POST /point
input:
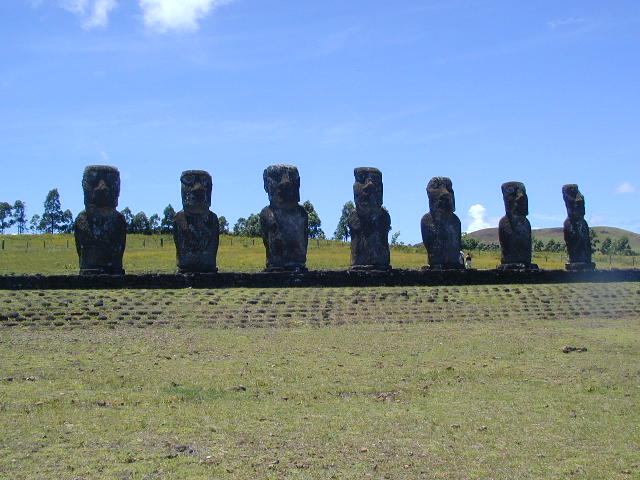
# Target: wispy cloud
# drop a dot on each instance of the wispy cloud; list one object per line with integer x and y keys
{"x": 177, "y": 15}
{"x": 478, "y": 221}
{"x": 561, "y": 22}
{"x": 625, "y": 187}
{"x": 93, "y": 13}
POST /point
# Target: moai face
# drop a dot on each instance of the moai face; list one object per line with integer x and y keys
{"x": 574, "y": 201}
{"x": 441, "y": 196}
{"x": 196, "y": 190}
{"x": 515, "y": 199}
{"x": 367, "y": 189}
{"x": 101, "y": 186}
{"x": 282, "y": 184}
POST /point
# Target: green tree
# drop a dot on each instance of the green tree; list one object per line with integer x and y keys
{"x": 248, "y": 227}
{"x": 5, "y": 216}
{"x": 166, "y": 225}
{"x": 253, "y": 228}
{"x": 621, "y": 246}
{"x": 53, "y": 218}
{"x": 538, "y": 245}
{"x": 224, "y": 225}
{"x": 35, "y": 223}
{"x": 342, "y": 230}
{"x": 128, "y": 218}
{"x": 154, "y": 223}
{"x": 467, "y": 242}
{"x": 19, "y": 216}
{"x": 66, "y": 226}
{"x": 607, "y": 246}
{"x": 239, "y": 226}
{"x": 594, "y": 240}
{"x": 314, "y": 229}
{"x": 140, "y": 224}
{"x": 394, "y": 239}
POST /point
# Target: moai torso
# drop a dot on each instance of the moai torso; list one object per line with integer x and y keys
{"x": 369, "y": 223}
{"x": 196, "y": 230}
{"x": 284, "y": 222}
{"x": 515, "y": 240}
{"x": 576, "y": 230}
{"x": 100, "y": 230}
{"x": 514, "y": 229}
{"x": 441, "y": 229}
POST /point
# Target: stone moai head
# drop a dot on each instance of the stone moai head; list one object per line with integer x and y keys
{"x": 196, "y": 190}
{"x": 574, "y": 200}
{"x": 441, "y": 196}
{"x": 282, "y": 184}
{"x": 367, "y": 188}
{"x": 515, "y": 199}
{"x": 101, "y": 186}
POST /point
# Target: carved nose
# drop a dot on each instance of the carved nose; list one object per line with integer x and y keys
{"x": 102, "y": 185}
{"x": 369, "y": 186}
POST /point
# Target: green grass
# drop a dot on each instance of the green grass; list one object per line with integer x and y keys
{"x": 402, "y": 383}
{"x": 56, "y": 254}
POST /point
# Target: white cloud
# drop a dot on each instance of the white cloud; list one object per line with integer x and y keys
{"x": 179, "y": 15}
{"x": 477, "y": 213}
{"x": 625, "y": 187}
{"x": 560, "y": 22}
{"x": 93, "y": 13}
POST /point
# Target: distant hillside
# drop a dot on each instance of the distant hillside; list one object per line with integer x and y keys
{"x": 489, "y": 235}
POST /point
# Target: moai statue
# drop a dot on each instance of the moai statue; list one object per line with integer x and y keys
{"x": 100, "y": 230}
{"x": 441, "y": 231}
{"x": 195, "y": 228}
{"x": 284, "y": 222}
{"x": 369, "y": 223}
{"x": 514, "y": 229}
{"x": 576, "y": 230}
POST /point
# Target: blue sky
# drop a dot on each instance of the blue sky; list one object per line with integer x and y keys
{"x": 482, "y": 91}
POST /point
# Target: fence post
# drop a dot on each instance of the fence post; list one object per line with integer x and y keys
{"x": 161, "y": 242}
{"x": 27, "y": 245}
{"x": 144, "y": 242}
{"x": 44, "y": 244}
{"x": 3, "y": 244}
{"x": 67, "y": 243}
{"x": 253, "y": 241}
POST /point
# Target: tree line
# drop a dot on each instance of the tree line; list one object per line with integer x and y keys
{"x": 55, "y": 220}
{"x": 52, "y": 220}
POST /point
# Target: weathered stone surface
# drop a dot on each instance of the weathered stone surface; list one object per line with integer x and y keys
{"x": 100, "y": 230}
{"x": 196, "y": 229}
{"x": 441, "y": 230}
{"x": 369, "y": 223}
{"x": 576, "y": 230}
{"x": 514, "y": 229}
{"x": 284, "y": 222}
{"x": 314, "y": 279}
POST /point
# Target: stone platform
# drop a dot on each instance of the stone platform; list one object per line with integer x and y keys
{"x": 317, "y": 278}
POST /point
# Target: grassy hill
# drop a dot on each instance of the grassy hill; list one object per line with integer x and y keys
{"x": 489, "y": 235}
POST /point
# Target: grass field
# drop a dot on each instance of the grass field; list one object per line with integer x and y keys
{"x": 400, "y": 383}
{"x": 56, "y": 254}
